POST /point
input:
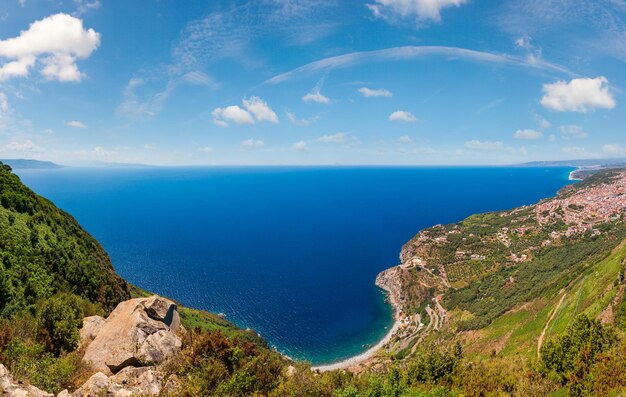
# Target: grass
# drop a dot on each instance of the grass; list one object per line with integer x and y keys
{"x": 519, "y": 329}
{"x": 193, "y": 318}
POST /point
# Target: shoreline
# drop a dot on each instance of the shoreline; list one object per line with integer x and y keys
{"x": 572, "y": 174}
{"x": 372, "y": 351}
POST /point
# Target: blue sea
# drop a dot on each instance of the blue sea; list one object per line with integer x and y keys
{"x": 289, "y": 252}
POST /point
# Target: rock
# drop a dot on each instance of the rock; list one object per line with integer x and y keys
{"x": 91, "y": 326}
{"x": 140, "y": 381}
{"x": 64, "y": 393}
{"x": 8, "y": 388}
{"x": 96, "y": 386}
{"x": 163, "y": 310}
{"x": 134, "y": 336}
{"x": 126, "y": 383}
{"x": 159, "y": 346}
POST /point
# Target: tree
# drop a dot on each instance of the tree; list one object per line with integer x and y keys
{"x": 572, "y": 354}
{"x": 60, "y": 318}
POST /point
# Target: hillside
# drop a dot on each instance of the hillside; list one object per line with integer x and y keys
{"x": 495, "y": 279}
{"x": 45, "y": 251}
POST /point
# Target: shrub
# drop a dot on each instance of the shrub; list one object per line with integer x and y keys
{"x": 60, "y": 318}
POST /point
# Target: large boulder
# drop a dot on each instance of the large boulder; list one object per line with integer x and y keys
{"x": 139, "y": 332}
{"x": 9, "y": 388}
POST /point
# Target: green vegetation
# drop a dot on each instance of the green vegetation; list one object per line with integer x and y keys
{"x": 551, "y": 269}
{"x": 43, "y": 250}
{"x": 569, "y": 356}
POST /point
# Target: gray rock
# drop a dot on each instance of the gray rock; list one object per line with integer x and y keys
{"x": 163, "y": 310}
{"x": 131, "y": 336}
{"x": 96, "y": 386}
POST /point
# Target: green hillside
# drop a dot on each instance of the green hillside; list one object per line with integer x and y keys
{"x": 43, "y": 250}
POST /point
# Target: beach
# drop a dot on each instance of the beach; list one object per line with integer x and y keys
{"x": 369, "y": 353}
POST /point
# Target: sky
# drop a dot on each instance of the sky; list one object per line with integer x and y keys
{"x": 312, "y": 82}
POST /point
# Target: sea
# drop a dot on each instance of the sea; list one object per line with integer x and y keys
{"x": 290, "y": 252}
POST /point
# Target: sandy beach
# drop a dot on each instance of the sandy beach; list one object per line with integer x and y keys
{"x": 371, "y": 352}
{"x": 352, "y": 361}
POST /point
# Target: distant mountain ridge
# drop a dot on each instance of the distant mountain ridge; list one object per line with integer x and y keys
{"x": 23, "y": 164}
{"x": 604, "y": 163}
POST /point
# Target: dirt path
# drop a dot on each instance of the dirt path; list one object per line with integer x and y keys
{"x": 545, "y": 328}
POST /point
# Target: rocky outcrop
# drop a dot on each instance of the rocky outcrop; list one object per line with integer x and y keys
{"x": 138, "y": 333}
{"x": 128, "y": 382}
{"x": 9, "y": 388}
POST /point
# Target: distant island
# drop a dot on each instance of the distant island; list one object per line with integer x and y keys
{"x": 25, "y": 164}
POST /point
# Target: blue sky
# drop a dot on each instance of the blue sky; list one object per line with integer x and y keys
{"x": 404, "y": 82}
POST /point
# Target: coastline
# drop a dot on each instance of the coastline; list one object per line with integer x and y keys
{"x": 372, "y": 351}
{"x": 572, "y": 174}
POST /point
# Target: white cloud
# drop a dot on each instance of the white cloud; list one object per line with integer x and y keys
{"x": 22, "y": 3}
{"x": 252, "y": 143}
{"x": 56, "y": 42}
{"x": 484, "y": 146}
{"x": 369, "y": 93}
{"x": 543, "y": 123}
{"x": 300, "y": 121}
{"x": 411, "y": 52}
{"x": 300, "y": 146}
{"x": 574, "y": 150}
{"x": 221, "y": 116}
{"x": 83, "y": 6}
{"x": 579, "y": 95}
{"x": 516, "y": 151}
{"x": 402, "y": 115}
{"x": 255, "y": 108}
{"x": 198, "y": 78}
{"x": 552, "y": 138}
{"x": 260, "y": 109}
{"x": 6, "y": 112}
{"x": 75, "y": 124}
{"x": 533, "y": 54}
{"x": 614, "y": 149}
{"x": 206, "y": 149}
{"x": 418, "y": 150}
{"x": 528, "y": 134}
{"x": 316, "y": 96}
{"x": 420, "y": 9}
{"x": 405, "y": 139}
{"x": 572, "y": 132}
{"x": 150, "y": 146}
{"x": 339, "y": 137}
{"x": 26, "y": 146}
{"x": 103, "y": 153}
